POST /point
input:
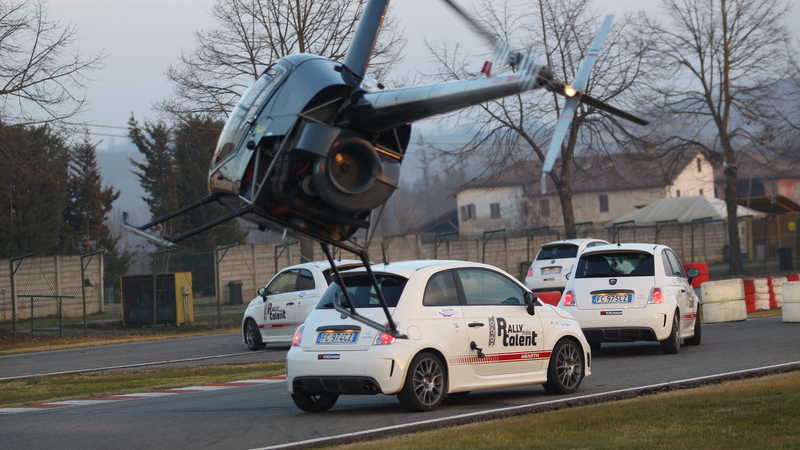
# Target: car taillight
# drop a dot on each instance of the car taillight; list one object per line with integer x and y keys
{"x": 530, "y": 271}
{"x": 384, "y": 338}
{"x": 656, "y": 296}
{"x": 569, "y": 298}
{"x": 297, "y": 335}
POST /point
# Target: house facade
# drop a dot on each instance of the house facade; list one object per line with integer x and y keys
{"x": 603, "y": 190}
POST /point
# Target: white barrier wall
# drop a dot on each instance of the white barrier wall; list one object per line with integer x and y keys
{"x": 791, "y": 301}
{"x": 723, "y": 301}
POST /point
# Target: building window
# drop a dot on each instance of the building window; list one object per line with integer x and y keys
{"x": 468, "y": 212}
{"x": 677, "y": 192}
{"x": 603, "y": 203}
{"x": 701, "y": 192}
{"x": 544, "y": 207}
{"x": 495, "y": 207}
{"x": 699, "y": 165}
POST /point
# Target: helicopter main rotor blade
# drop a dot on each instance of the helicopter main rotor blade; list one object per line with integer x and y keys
{"x": 358, "y": 55}
{"x": 575, "y": 96}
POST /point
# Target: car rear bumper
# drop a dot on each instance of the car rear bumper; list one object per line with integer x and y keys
{"x": 625, "y": 325}
{"x": 619, "y": 334}
{"x": 344, "y": 372}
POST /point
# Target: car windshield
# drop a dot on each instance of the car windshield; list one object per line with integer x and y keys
{"x": 558, "y": 251}
{"x": 363, "y": 292}
{"x": 616, "y": 264}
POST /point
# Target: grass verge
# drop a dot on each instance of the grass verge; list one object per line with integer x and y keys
{"x": 754, "y": 413}
{"x": 99, "y": 384}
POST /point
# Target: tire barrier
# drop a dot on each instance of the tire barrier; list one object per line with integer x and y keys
{"x": 776, "y": 291}
{"x": 723, "y": 301}
{"x": 549, "y": 297}
{"x": 791, "y": 301}
{"x": 703, "y": 277}
{"x": 757, "y": 294}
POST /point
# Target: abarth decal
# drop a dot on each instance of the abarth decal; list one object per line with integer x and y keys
{"x": 491, "y": 331}
{"x": 463, "y": 360}
{"x": 448, "y": 312}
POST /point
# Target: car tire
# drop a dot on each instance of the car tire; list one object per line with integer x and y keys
{"x": 252, "y": 337}
{"x": 695, "y": 340}
{"x": 565, "y": 368}
{"x": 315, "y": 403}
{"x": 425, "y": 383}
{"x": 672, "y": 343}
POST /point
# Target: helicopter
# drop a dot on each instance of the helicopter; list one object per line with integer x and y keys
{"x": 314, "y": 147}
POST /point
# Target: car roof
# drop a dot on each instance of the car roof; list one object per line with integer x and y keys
{"x": 323, "y": 265}
{"x": 642, "y": 247}
{"x": 407, "y": 268}
{"x": 574, "y": 241}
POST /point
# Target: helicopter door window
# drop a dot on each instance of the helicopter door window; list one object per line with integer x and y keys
{"x": 246, "y": 111}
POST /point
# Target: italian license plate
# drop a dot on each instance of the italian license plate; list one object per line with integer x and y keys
{"x": 611, "y": 298}
{"x": 551, "y": 270}
{"x": 337, "y": 338}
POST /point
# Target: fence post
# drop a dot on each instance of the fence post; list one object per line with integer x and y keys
{"x": 155, "y": 284}
{"x": 12, "y": 271}
{"x": 217, "y": 259}
{"x": 695, "y": 224}
{"x": 487, "y": 236}
{"x": 83, "y": 285}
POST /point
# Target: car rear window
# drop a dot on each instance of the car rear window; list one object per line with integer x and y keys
{"x": 616, "y": 264}
{"x": 558, "y": 251}
{"x": 363, "y": 292}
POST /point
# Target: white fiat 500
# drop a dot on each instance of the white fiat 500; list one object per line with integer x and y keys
{"x": 633, "y": 292}
{"x": 554, "y": 261}
{"x": 467, "y": 326}
{"x": 286, "y": 301}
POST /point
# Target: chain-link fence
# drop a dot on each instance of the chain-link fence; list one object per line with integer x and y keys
{"x": 166, "y": 290}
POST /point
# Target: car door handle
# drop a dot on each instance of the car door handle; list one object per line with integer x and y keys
{"x": 475, "y": 324}
{"x": 290, "y": 304}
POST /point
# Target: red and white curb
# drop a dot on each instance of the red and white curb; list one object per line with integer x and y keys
{"x": 164, "y": 393}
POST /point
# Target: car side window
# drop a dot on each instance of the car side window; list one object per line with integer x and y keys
{"x": 667, "y": 264}
{"x": 305, "y": 280}
{"x": 677, "y": 268}
{"x": 284, "y": 282}
{"x": 441, "y": 290}
{"x": 483, "y": 287}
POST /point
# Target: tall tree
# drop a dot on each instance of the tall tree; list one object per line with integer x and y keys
{"x": 251, "y": 34}
{"x": 42, "y": 71}
{"x": 33, "y": 191}
{"x": 520, "y": 127}
{"x": 88, "y": 202}
{"x": 729, "y": 60}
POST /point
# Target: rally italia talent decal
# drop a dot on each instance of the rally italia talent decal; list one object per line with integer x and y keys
{"x": 272, "y": 312}
{"x": 510, "y": 334}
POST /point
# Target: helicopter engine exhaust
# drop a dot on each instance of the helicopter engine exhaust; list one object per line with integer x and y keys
{"x": 350, "y": 174}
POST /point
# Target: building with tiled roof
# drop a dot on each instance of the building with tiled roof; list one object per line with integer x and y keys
{"x": 604, "y": 188}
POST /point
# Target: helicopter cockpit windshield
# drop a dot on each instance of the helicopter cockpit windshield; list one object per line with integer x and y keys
{"x": 246, "y": 111}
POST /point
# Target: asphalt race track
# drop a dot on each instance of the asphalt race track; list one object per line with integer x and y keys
{"x": 261, "y": 414}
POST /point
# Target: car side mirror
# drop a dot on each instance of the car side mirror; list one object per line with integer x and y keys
{"x": 692, "y": 273}
{"x": 569, "y": 274}
{"x": 263, "y": 293}
{"x": 530, "y": 301}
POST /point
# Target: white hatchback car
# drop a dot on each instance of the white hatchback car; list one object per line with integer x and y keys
{"x": 286, "y": 301}
{"x": 633, "y": 292}
{"x": 554, "y": 261}
{"x": 468, "y": 326}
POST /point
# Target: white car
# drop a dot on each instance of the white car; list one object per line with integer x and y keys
{"x": 554, "y": 261}
{"x": 467, "y": 326}
{"x": 285, "y": 302}
{"x": 634, "y": 292}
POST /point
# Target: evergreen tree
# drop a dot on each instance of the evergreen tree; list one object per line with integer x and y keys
{"x": 33, "y": 191}
{"x": 175, "y": 174}
{"x": 88, "y": 203}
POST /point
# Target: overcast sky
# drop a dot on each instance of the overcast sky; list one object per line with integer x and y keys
{"x": 141, "y": 38}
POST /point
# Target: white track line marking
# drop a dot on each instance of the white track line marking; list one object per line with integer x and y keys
{"x": 122, "y": 397}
